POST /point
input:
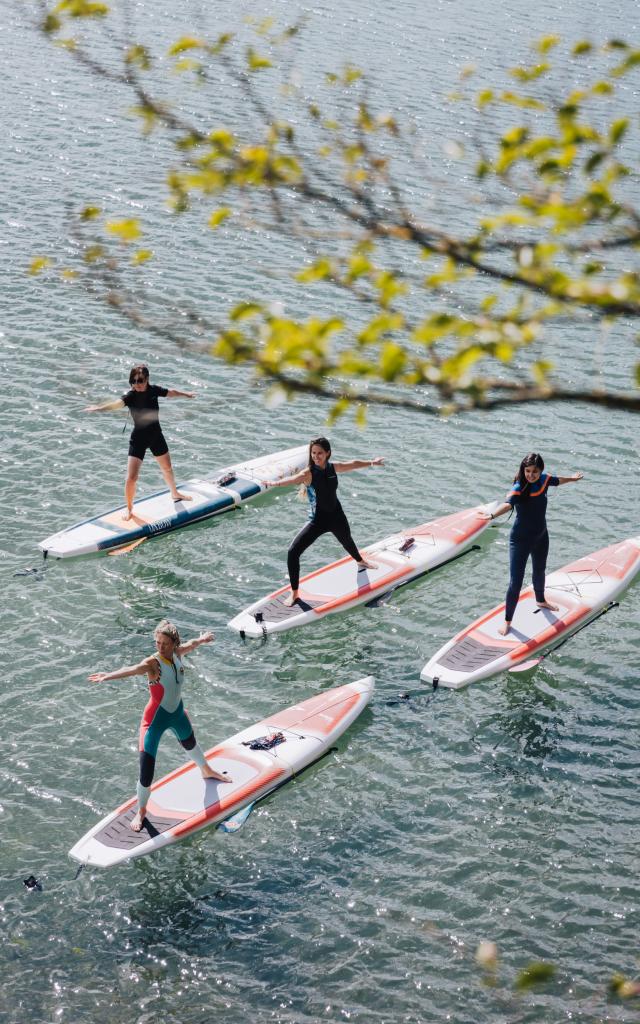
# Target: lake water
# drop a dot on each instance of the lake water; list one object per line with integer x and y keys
{"x": 507, "y": 812}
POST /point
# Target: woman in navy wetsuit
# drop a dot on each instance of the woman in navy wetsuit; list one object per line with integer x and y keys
{"x": 326, "y": 515}
{"x": 142, "y": 402}
{"x": 529, "y": 536}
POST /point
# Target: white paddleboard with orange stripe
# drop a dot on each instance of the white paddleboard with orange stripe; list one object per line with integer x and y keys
{"x": 337, "y": 587}
{"x": 183, "y": 802}
{"x": 582, "y": 591}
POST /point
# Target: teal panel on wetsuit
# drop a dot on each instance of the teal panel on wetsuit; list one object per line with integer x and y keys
{"x": 163, "y": 720}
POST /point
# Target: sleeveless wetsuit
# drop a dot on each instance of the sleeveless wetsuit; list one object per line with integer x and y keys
{"x": 529, "y": 537}
{"x": 325, "y": 516}
{"x": 145, "y": 412}
{"x": 164, "y": 711}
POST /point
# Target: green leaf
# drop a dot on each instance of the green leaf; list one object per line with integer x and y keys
{"x": 245, "y": 310}
{"x": 218, "y": 216}
{"x": 318, "y": 271}
{"x": 141, "y": 256}
{"x": 484, "y": 97}
{"x": 582, "y": 47}
{"x": 541, "y": 370}
{"x": 361, "y": 416}
{"x": 186, "y": 43}
{"x": 618, "y": 129}
{"x": 535, "y": 974}
{"x": 594, "y": 161}
{"x": 392, "y": 360}
{"x": 82, "y": 8}
{"x": 90, "y": 213}
{"x": 379, "y": 326}
{"x": 51, "y": 24}
{"x": 127, "y": 230}
{"x": 138, "y": 56}
{"x": 38, "y": 264}
{"x": 547, "y": 43}
{"x": 256, "y": 62}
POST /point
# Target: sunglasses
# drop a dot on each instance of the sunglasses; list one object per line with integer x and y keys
{"x": 138, "y": 380}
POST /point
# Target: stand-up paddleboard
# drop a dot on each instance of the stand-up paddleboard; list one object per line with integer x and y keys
{"x": 259, "y": 760}
{"x": 399, "y": 559}
{"x": 224, "y": 490}
{"x": 582, "y": 591}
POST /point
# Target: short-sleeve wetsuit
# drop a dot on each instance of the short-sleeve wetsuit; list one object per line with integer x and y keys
{"x": 325, "y": 516}
{"x": 144, "y": 409}
{"x": 529, "y": 537}
{"x": 165, "y": 710}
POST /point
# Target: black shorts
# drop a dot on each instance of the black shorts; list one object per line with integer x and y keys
{"x": 152, "y": 438}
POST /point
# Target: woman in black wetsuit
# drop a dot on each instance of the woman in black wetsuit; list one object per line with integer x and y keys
{"x": 325, "y": 511}
{"x": 142, "y": 402}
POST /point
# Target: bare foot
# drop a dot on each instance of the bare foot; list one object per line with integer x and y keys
{"x": 291, "y": 599}
{"x": 503, "y": 630}
{"x": 547, "y": 604}
{"x": 137, "y": 822}
{"x": 127, "y": 515}
{"x": 208, "y": 773}
{"x": 365, "y": 564}
{"x": 181, "y": 497}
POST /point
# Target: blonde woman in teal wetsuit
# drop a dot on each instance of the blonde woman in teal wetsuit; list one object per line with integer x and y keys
{"x": 165, "y": 710}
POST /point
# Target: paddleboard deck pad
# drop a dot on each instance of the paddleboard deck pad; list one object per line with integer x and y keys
{"x": 225, "y": 490}
{"x": 581, "y": 591}
{"x": 342, "y": 585}
{"x": 258, "y": 760}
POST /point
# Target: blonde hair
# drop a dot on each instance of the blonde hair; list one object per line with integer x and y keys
{"x": 167, "y": 628}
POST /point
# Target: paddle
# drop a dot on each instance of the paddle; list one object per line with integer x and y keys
{"x": 525, "y": 666}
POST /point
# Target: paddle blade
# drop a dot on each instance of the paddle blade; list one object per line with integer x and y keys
{"x": 126, "y": 548}
{"x": 237, "y": 820}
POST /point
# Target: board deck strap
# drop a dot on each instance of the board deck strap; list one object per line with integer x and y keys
{"x": 341, "y": 585}
{"x": 157, "y": 513}
{"x": 581, "y": 590}
{"x": 258, "y": 760}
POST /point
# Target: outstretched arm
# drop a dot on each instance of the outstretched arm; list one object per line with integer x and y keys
{"x": 570, "y": 479}
{"x": 174, "y": 393}
{"x": 346, "y": 467}
{"x": 149, "y": 667}
{"x": 499, "y": 511}
{"x": 286, "y": 481}
{"x": 117, "y": 403}
{"x": 190, "y": 645}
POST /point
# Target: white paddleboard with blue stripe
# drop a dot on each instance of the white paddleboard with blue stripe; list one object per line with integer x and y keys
{"x": 226, "y": 489}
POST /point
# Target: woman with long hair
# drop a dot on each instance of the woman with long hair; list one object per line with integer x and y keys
{"x": 529, "y": 535}
{"x": 319, "y": 483}
{"x": 142, "y": 402}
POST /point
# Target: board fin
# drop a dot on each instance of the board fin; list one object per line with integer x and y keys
{"x": 237, "y": 820}
{"x": 525, "y": 666}
{"x": 126, "y": 548}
